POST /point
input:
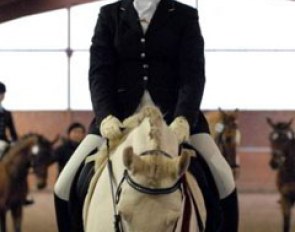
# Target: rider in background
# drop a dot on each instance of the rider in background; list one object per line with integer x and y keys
{"x": 75, "y": 134}
{"x": 150, "y": 52}
{"x": 7, "y": 129}
{"x": 8, "y": 133}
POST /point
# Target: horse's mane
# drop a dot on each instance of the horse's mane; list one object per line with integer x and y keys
{"x": 155, "y": 117}
{"x": 155, "y": 166}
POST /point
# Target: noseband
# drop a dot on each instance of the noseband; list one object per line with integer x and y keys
{"x": 142, "y": 189}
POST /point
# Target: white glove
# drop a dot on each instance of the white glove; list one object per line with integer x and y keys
{"x": 181, "y": 129}
{"x": 110, "y": 128}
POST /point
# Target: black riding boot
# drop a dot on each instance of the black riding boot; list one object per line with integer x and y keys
{"x": 230, "y": 212}
{"x": 62, "y": 213}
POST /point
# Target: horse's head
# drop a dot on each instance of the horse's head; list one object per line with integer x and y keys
{"x": 41, "y": 158}
{"x": 151, "y": 199}
{"x": 280, "y": 138}
{"x": 228, "y": 134}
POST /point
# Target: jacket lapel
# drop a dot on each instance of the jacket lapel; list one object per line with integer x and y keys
{"x": 162, "y": 14}
{"x": 129, "y": 15}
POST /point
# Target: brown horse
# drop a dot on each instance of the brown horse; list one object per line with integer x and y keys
{"x": 14, "y": 169}
{"x": 282, "y": 143}
{"x": 224, "y": 129}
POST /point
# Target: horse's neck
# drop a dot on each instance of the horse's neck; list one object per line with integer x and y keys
{"x": 287, "y": 171}
{"x": 16, "y": 158}
{"x": 290, "y": 154}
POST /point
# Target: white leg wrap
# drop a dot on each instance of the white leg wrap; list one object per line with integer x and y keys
{"x": 220, "y": 169}
{"x": 63, "y": 185}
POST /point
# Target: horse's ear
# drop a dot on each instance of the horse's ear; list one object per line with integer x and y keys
{"x": 270, "y": 122}
{"x": 131, "y": 161}
{"x": 184, "y": 161}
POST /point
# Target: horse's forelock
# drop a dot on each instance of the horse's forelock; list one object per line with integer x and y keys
{"x": 158, "y": 167}
{"x": 156, "y": 123}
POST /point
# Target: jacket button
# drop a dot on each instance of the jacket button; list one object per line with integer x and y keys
{"x": 145, "y": 66}
{"x": 142, "y": 40}
{"x": 142, "y": 55}
{"x": 145, "y": 78}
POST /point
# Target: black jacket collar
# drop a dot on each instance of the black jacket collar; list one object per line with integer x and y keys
{"x": 130, "y": 16}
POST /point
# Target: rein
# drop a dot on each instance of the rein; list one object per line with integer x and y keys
{"x": 118, "y": 227}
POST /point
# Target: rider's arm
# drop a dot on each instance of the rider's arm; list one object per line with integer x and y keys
{"x": 11, "y": 127}
{"x": 191, "y": 68}
{"x": 102, "y": 68}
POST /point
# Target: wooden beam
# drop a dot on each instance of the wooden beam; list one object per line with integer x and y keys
{"x": 5, "y": 2}
{"x": 16, "y": 9}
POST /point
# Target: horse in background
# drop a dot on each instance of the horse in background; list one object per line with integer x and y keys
{"x": 225, "y": 131}
{"x": 31, "y": 151}
{"x": 147, "y": 178}
{"x": 42, "y": 157}
{"x": 282, "y": 142}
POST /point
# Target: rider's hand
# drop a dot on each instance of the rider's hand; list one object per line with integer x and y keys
{"x": 110, "y": 127}
{"x": 181, "y": 129}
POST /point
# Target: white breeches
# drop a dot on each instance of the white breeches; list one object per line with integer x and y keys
{"x": 204, "y": 143}
{"x": 64, "y": 182}
{"x": 219, "y": 168}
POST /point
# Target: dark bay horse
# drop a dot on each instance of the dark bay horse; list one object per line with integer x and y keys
{"x": 282, "y": 141}
{"x": 28, "y": 152}
{"x": 225, "y": 131}
{"x": 42, "y": 157}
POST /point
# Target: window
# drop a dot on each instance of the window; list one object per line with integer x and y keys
{"x": 249, "y": 46}
{"x": 250, "y": 52}
{"x": 34, "y": 80}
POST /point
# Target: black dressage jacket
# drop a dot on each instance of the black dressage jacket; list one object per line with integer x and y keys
{"x": 6, "y": 123}
{"x": 167, "y": 60}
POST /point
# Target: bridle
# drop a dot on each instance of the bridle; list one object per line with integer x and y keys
{"x": 118, "y": 227}
{"x": 146, "y": 190}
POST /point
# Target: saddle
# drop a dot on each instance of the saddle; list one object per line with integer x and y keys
{"x": 198, "y": 168}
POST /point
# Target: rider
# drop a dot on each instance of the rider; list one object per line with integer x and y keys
{"x": 6, "y": 124}
{"x": 149, "y": 52}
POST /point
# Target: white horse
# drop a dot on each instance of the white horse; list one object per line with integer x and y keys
{"x": 149, "y": 197}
